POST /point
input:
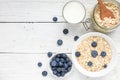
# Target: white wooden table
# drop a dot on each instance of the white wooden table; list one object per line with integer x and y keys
{"x": 27, "y": 33}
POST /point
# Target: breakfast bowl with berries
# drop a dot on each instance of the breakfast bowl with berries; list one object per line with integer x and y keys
{"x": 60, "y": 65}
{"x": 94, "y": 54}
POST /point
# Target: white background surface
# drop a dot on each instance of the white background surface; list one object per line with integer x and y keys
{"x": 27, "y": 33}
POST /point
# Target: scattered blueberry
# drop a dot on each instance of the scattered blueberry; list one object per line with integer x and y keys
{"x": 65, "y": 31}
{"x": 60, "y": 65}
{"x": 44, "y": 73}
{"x": 49, "y": 54}
{"x": 59, "y": 42}
{"x": 77, "y": 54}
{"x": 39, "y": 64}
{"x": 55, "y": 19}
{"x": 90, "y": 63}
{"x": 94, "y": 44}
{"x": 53, "y": 63}
{"x": 94, "y": 53}
{"x": 76, "y": 38}
{"x": 105, "y": 66}
{"x": 103, "y": 54}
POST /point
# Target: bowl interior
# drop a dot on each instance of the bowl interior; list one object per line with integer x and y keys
{"x": 103, "y": 71}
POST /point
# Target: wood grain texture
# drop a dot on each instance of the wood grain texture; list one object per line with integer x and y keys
{"x": 24, "y": 67}
{"x": 23, "y": 43}
{"x": 41, "y": 38}
{"x": 35, "y": 10}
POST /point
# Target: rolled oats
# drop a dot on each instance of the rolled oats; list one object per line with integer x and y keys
{"x": 85, "y": 48}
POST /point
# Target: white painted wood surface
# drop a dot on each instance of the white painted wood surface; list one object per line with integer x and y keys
{"x": 24, "y": 43}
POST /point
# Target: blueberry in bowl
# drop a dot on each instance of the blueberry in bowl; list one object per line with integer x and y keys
{"x": 60, "y": 65}
{"x": 94, "y": 54}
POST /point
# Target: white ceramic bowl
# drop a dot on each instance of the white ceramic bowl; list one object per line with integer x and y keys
{"x": 101, "y": 72}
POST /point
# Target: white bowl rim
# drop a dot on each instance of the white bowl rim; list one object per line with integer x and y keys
{"x": 100, "y": 73}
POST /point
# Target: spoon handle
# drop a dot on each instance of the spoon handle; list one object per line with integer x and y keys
{"x": 101, "y": 3}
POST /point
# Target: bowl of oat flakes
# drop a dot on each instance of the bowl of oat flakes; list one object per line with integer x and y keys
{"x": 94, "y": 54}
{"x": 107, "y": 24}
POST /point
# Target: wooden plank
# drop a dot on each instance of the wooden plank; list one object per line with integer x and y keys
{"x": 41, "y": 38}
{"x": 37, "y": 38}
{"x": 36, "y": 10}
{"x": 24, "y": 67}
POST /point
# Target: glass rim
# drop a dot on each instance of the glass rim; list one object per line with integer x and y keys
{"x": 65, "y": 6}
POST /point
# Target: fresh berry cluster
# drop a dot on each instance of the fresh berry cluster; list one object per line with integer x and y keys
{"x": 60, "y": 64}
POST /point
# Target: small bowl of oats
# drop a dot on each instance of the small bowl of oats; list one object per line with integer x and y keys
{"x": 107, "y": 24}
{"x": 94, "y": 54}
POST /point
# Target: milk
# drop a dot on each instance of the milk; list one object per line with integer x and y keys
{"x": 74, "y": 12}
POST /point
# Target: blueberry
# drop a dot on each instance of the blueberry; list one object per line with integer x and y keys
{"x": 53, "y": 58}
{"x": 49, "y": 54}
{"x": 76, "y": 38}
{"x": 58, "y": 74}
{"x": 65, "y": 71}
{"x": 103, "y": 54}
{"x": 62, "y": 69}
{"x": 69, "y": 69}
{"x": 105, "y": 66}
{"x": 58, "y": 55}
{"x": 55, "y": 19}
{"x": 94, "y": 53}
{"x": 90, "y": 63}
{"x": 60, "y": 64}
{"x": 62, "y": 60}
{"x": 77, "y": 54}
{"x": 57, "y": 59}
{"x": 67, "y": 59}
{"x": 54, "y": 68}
{"x": 64, "y": 55}
{"x": 94, "y": 44}
{"x": 59, "y": 69}
{"x": 54, "y": 72}
{"x": 69, "y": 63}
{"x": 44, "y": 73}
{"x": 65, "y": 66}
{"x": 65, "y": 31}
{"x": 62, "y": 74}
{"x": 59, "y": 42}
{"x": 53, "y": 63}
{"x": 39, "y": 64}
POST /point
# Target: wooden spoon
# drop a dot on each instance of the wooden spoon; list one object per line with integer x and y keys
{"x": 104, "y": 12}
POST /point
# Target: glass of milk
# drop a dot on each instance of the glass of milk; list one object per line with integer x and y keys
{"x": 74, "y": 12}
